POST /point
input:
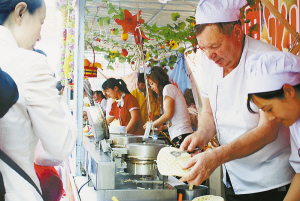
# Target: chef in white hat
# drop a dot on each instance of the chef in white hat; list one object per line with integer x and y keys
{"x": 254, "y": 151}
{"x": 273, "y": 84}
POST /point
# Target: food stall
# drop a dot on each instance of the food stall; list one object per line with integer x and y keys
{"x": 112, "y": 165}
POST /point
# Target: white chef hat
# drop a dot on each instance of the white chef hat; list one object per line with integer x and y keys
{"x": 215, "y": 11}
{"x": 269, "y": 71}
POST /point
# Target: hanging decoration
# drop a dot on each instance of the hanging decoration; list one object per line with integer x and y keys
{"x": 153, "y": 44}
{"x": 90, "y": 71}
{"x": 67, "y": 59}
{"x": 130, "y": 24}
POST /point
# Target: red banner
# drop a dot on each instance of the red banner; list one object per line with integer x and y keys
{"x": 268, "y": 28}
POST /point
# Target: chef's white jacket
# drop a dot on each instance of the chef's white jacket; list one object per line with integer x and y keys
{"x": 38, "y": 114}
{"x": 269, "y": 167}
{"x": 295, "y": 146}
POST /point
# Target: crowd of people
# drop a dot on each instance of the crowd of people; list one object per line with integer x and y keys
{"x": 131, "y": 109}
{"x": 250, "y": 94}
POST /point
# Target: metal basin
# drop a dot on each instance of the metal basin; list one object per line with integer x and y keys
{"x": 191, "y": 194}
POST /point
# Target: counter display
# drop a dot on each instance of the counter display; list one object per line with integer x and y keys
{"x": 113, "y": 173}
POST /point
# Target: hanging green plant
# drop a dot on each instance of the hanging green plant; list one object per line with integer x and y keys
{"x": 175, "y": 16}
{"x": 160, "y": 42}
{"x": 103, "y": 20}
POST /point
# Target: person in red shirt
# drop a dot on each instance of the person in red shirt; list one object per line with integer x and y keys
{"x": 126, "y": 107}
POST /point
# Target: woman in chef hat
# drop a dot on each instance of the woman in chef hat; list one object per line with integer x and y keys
{"x": 273, "y": 85}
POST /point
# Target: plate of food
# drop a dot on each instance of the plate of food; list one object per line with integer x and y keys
{"x": 208, "y": 198}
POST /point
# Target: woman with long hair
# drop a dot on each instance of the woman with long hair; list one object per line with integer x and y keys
{"x": 38, "y": 113}
{"x": 273, "y": 85}
{"x": 174, "y": 106}
{"x": 126, "y": 107}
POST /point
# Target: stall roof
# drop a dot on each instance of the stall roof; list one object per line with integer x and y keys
{"x": 152, "y": 12}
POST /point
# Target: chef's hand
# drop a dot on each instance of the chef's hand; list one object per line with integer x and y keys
{"x": 192, "y": 141}
{"x": 204, "y": 165}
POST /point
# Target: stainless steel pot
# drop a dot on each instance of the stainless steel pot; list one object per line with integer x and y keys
{"x": 143, "y": 151}
{"x": 122, "y": 141}
{"x": 193, "y": 193}
{"x": 141, "y": 167}
{"x": 141, "y": 158}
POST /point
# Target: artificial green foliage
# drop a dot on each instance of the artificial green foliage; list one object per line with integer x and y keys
{"x": 175, "y": 16}
{"x": 180, "y": 33}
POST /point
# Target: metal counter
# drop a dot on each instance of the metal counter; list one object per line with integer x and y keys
{"x": 109, "y": 181}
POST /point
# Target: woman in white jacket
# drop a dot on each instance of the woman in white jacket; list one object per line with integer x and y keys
{"x": 38, "y": 113}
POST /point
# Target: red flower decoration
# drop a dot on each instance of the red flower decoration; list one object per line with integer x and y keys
{"x": 193, "y": 40}
{"x": 130, "y": 23}
{"x": 137, "y": 36}
{"x": 191, "y": 37}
